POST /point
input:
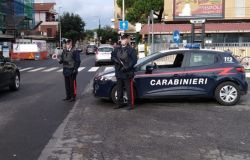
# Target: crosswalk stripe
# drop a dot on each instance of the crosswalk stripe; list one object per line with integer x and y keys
{"x": 38, "y": 69}
{"x": 50, "y": 69}
{"x": 248, "y": 75}
{"x": 60, "y": 70}
{"x": 108, "y": 68}
{"x": 93, "y": 69}
{"x": 25, "y": 69}
{"x": 80, "y": 69}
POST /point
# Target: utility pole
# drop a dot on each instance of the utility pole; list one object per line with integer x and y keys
{"x": 149, "y": 29}
{"x": 99, "y": 24}
{"x": 152, "y": 43}
{"x": 123, "y": 10}
{"x": 60, "y": 29}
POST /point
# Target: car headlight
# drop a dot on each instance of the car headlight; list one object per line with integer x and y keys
{"x": 110, "y": 76}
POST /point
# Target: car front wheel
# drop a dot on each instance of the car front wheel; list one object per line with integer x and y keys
{"x": 227, "y": 93}
{"x": 114, "y": 96}
{"x": 15, "y": 84}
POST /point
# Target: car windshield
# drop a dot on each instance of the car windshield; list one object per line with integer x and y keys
{"x": 105, "y": 49}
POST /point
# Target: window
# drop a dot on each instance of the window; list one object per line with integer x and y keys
{"x": 106, "y": 49}
{"x": 240, "y": 8}
{"x": 168, "y": 61}
{"x": 202, "y": 59}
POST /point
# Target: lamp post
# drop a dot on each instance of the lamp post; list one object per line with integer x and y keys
{"x": 152, "y": 43}
{"x": 123, "y": 10}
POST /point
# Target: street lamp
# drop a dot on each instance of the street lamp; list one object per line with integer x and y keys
{"x": 123, "y": 10}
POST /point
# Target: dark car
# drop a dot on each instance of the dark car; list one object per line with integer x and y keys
{"x": 182, "y": 73}
{"x": 9, "y": 74}
{"x": 91, "y": 49}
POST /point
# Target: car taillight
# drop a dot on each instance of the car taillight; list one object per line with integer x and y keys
{"x": 240, "y": 69}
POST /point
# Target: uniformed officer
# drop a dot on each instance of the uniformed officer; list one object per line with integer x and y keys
{"x": 70, "y": 59}
{"x": 125, "y": 58}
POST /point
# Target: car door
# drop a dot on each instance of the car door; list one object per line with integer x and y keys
{"x": 165, "y": 77}
{"x": 201, "y": 69}
{"x": 3, "y": 72}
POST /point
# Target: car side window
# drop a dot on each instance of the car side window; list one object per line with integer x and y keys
{"x": 202, "y": 59}
{"x": 168, "y": 61}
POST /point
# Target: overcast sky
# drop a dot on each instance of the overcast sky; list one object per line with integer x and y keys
{"x": 89, "y": 10}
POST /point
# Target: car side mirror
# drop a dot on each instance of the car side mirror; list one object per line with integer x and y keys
{"x": 149, "y": 69}
{"x": 7, "y": 60}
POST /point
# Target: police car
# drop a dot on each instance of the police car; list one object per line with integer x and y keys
{"x": 181, "y": 73}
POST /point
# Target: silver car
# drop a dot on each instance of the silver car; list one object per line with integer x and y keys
{"x": 103, "y": 54}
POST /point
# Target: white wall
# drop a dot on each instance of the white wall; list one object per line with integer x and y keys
{"x": 40, "y": 17}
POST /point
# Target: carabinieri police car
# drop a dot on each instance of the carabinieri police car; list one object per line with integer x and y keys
{"x": 181, "y": 73}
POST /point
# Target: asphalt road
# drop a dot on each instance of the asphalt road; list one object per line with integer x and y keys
{"x": 30, "y": 116}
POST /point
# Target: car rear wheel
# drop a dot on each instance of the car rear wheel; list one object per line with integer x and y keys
{"x": 15, "y": 84}
{"x": 227, "y": 93}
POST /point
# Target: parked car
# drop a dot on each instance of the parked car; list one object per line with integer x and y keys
{"x": 181, "y": 73}
{"x": 91, "y": 49}
{"x": 103, "y": 54}
{"x": 9, "y": 74}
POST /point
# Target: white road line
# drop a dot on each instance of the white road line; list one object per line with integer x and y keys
{"x": 50, "y": 69}
{"x": 93, "y": 69}
{"x": 80, "y": 69}
{"x": 108, "y": 68}
{"x": 60, "y": 70}
{"x": 25, "y": 69}
{"x": 248, "y": 75}
{"x": 38, "y": 69}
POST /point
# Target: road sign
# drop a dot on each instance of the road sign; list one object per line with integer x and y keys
{"x": 197, "y": 21}
{"x": 176, "y": 36}
{"x": 123, "y": 25}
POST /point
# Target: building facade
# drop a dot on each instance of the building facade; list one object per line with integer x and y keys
{"x": 15, "y": 16}
{"x": 227, "y": 21}
{"x": 45, "y": 16}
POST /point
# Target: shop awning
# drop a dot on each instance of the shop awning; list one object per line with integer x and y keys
{"x": 186, "y": 28}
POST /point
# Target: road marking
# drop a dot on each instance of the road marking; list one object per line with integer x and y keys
{"x": 60, "y": 70}
{"x": 247, "y": 74}
{"x": 93, "y": 69}
{"x": 25, "y": 69}
{"x": 80, "y": 69}
{"x": 108, "y": 68}
{"x": 50, "y": 69}
{"x": 38, "y": 69}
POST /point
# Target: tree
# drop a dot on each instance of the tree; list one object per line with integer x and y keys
{"x": 89, "y": 34}
{"x": 72, "y": 26}
{"x": 107, "y": 34}
{"x": 139, "y": 10}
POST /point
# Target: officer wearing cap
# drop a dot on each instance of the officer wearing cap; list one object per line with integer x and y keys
{"x": 124, "y": 58}
{"x": 71, "y": 61}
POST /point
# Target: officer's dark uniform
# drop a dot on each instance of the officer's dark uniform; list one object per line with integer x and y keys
{"x": 71, "y": 62}
{"x": 124, "y": 58}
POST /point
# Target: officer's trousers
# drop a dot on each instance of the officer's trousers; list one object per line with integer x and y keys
{"x": 70, "y": 86}
{"x": 126, "y": 84}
